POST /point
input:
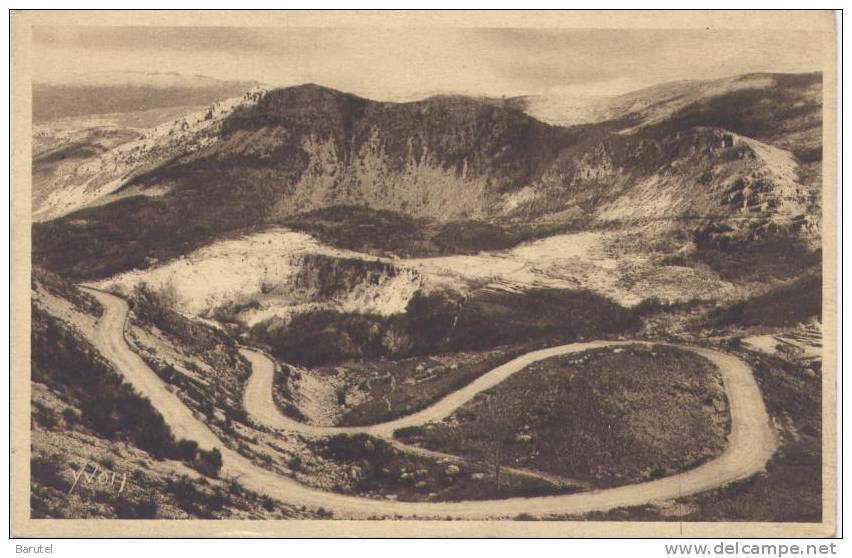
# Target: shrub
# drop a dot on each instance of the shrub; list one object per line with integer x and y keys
{"x": 44, "y": 416}
{"x": 210, "y": 462}
{"x": 143, "y": 509}
{"x": 71, "y": 416}
{"x": 47, "y": 470}
{"x": 267, "y": 503}
{"x": 185, "y": 493}
{"x": 188, "y": 450}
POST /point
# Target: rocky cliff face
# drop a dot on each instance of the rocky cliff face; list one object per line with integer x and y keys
{"x": 313, "y": 147}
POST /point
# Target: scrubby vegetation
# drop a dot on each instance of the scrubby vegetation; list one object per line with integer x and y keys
{"x": 62, "y": 358}
{"x": 157, "y": 308}
{"x": 790, "y": 490}
{"x": 363, "y": 392}
{"x": 138, "y": 492}
{"x": 87, "y": 424}
{"x": 605, "y": 416}
{"x": 379, "y": 470}
{"x": 750, "y": 254}
{"x": 384, "y": 232}
{"x": 62, "y": 288}
{"x": 220, "y": 384}
{"x": 395, "y": 388}
{"x": 797, "y": 301}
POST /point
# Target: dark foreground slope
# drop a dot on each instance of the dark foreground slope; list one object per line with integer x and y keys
{"x": 607, "y": 417}
{"x": 87, "y": 424}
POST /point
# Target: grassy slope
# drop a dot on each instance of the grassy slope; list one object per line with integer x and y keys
{"x": 605, "y": 417}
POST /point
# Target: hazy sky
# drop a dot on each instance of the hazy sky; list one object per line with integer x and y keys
{"x": 387, "y": 63}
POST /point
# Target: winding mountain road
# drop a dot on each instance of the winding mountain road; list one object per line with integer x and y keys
{"x": 750, "y": 444}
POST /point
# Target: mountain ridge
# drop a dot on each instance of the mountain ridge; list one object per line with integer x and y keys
{"x": 304, "y": 148}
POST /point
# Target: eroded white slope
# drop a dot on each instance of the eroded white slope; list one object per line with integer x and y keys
{"x": 275, "y": 274}
{"x": 260, "y": 273}
{"x": 591, "y": 261}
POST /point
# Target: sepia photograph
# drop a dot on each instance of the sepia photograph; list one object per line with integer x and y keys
{"x": 510, "y": 274}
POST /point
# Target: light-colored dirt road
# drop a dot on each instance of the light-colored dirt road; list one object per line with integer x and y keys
{"x": 751, "y": 442}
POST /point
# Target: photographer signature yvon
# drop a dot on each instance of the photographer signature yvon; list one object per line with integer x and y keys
{"x": 95, "y": 475}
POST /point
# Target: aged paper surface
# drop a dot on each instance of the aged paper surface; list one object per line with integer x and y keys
{"x": 514, "y": 274}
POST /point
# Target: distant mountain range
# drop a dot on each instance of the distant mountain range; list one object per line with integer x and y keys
{"x": 732, "y": 160}
{"x": 118, "y": 92}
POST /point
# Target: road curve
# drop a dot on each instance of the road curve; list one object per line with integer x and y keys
{"x": 750, "y": 444}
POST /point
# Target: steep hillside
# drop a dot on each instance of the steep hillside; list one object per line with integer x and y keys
{"x": 783, "y": 110}
{"x": 76, "y": 168}
{"x": 780, "y": 109}
{"x": 313, "y": 147}
{"x": 58, "y": 153}
{"x": 290, "y": 155}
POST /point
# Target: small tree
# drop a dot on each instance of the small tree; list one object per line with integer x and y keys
{"x": 493, "y": 431}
